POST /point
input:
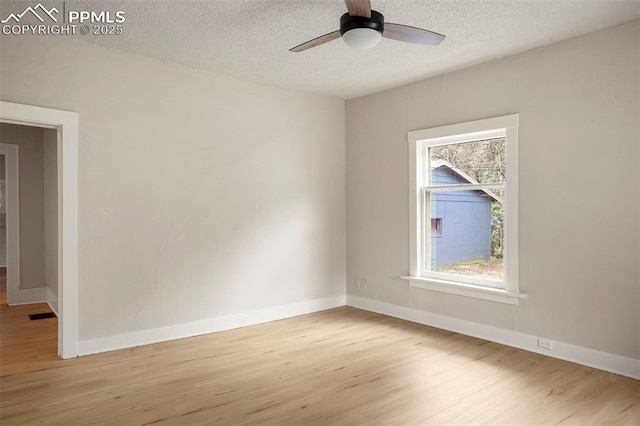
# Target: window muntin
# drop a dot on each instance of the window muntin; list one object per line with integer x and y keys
{"x": 436, "y": 226}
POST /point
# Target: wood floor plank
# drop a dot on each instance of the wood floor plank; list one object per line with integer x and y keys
{"x": 339, "y": 367}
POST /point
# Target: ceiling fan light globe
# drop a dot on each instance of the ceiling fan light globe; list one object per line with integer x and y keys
{"x": 362, "y": 38}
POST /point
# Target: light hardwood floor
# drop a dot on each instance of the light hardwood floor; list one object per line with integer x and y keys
{"x": 338, "y": 367}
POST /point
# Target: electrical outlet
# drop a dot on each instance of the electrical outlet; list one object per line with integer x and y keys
{"x": 360, "y": 283}
{"x": 545, "y": 344}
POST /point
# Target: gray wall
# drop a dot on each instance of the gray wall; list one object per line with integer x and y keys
{"x": 30, "y": 143}
{"x": 579, "y": 188}
{"x": 199, "y": 195}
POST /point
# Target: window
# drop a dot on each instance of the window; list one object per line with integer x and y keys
{"x": 465, "y": 175}
{"x": 436, "y": 226}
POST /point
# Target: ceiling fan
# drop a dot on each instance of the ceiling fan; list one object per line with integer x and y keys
{"x": 362, "y": 28}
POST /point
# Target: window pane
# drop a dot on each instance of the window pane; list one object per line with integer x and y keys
{"x": 470, "y": 240}
{"x": 436, "y": 226}
{"x": 469, "y": 162}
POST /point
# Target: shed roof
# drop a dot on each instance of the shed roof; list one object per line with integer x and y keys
{"x": 444, "y": 163}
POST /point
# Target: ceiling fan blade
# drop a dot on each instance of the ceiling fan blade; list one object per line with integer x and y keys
{"x": 359, "y": 7}
{"x": 411, "y": 34}
{"x": 316, "y": 42}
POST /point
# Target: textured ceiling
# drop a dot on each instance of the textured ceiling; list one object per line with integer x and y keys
{"x": 249, "y": 39}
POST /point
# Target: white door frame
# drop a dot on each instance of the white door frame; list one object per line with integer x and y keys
{"x": 66, "y": 123}
{"x": 12, "y": 176}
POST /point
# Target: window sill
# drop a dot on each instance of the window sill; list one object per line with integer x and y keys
{"x": 469, "y": 290}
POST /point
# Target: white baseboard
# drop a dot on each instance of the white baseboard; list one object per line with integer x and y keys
{"x": 27, "y": 296}
{"x": 592, "y": 358}
{"x": 211, "y": 325}
{"x": 52, "y": 301}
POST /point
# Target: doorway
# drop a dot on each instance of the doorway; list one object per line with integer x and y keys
{"x": 65, "y": 124}
{"x": 28, "y": 213}
{"x": 3, "y": 233}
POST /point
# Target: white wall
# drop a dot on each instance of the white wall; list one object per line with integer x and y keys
{"x": 30, "y": 162}
{"x": 578, "y": 102}
{"x": 199, "y": 195}
{"x": 50, "y": 176}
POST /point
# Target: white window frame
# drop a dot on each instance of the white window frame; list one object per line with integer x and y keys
{"x": 505, "y": 291}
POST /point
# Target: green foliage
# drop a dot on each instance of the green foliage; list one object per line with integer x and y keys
{"x": 484, "y": 160}
{"x": 497, "y": 229}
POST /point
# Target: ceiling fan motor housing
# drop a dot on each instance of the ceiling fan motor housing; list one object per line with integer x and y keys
{"x": 348, "y": 22}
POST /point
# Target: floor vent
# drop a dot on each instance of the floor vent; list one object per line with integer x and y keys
{"x": 42, "y": 316}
